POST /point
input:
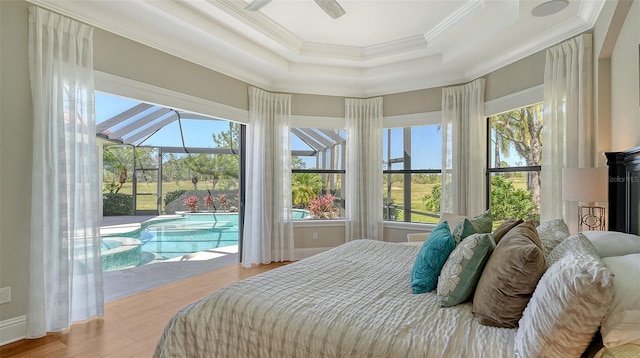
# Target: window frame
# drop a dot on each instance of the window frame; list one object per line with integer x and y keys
{"x": 491, "y": 170}
{"x": 407, "y": 173}
{"x": 310, "y": 124}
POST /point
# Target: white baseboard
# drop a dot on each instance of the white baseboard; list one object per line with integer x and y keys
{"x": 13, "y": 329}
{"x": 300, "y": 254}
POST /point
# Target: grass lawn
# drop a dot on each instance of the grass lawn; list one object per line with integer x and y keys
{"x": 418, "y": 191}
{"x": 519, "y": 182}
{"x": 148, "y": 202}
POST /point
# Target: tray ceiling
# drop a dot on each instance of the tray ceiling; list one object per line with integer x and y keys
{"x": 378, "y": 47}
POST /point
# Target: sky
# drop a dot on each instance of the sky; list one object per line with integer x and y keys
{"x": 426, "y": 141}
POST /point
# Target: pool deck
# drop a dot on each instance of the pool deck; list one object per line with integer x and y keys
{"x": 114, "y": 225}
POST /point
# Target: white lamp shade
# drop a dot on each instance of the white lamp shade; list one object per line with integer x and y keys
{"x": 585, "y": 184}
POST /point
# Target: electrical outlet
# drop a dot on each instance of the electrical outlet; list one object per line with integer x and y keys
{"x": 5, "y": 295}
{"x": 315, "y": 236}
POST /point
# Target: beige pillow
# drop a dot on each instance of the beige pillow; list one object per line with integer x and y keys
{"x": 509, "y": 278}
{"x": 451, "y": 219}
{"x": 504, "y": 228}
{"x": 568, "y": 305}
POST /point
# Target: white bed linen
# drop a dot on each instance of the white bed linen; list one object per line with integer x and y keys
{"x": 351, "y": 301}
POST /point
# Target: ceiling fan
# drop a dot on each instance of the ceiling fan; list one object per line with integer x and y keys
{"x": 331, "y": 7}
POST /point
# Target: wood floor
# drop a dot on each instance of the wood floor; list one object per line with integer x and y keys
{"x": 131, "y": 325}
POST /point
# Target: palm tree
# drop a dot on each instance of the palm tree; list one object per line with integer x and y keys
{"x": 305, "y": 187}
{"x": 522, "y": 128}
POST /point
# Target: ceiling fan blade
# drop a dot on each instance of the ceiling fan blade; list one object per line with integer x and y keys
{"x": 331, "y": 7}
{"x": 256, "y": 5}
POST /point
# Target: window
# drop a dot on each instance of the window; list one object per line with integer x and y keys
{"x": 411, "y": 183}
{"x": 317, "y": 161}
{"x": 514, "y": 149}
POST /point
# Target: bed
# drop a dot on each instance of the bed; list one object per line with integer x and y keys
{"x": 356, "y": 300}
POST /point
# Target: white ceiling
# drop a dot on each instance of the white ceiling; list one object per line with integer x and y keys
{"x": 378, "y": 47}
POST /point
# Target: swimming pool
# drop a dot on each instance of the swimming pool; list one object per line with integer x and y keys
{"x": 192, "y": 233}
{"x": 165, "y": 239}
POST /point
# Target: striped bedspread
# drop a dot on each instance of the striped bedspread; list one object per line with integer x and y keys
{"x": 352, "y": 301}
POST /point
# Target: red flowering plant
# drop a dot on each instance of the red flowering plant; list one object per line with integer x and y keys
{"x": 208, "y": 201}
{"x": 321, "y": 207}
{"x": 222, "y": 199}
{"x": 192, "y": 203}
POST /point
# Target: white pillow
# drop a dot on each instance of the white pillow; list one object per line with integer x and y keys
{"x": 552, "y": 233}
{"x": 570, "y": 302}
{"x": 622, "y": 324}
{"x": 613, "y": 243}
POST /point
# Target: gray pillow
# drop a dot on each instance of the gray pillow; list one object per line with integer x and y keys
{"x": 509, "y": 278}
{"x": 476, "y": 225}
{"x": 504, "y": 228}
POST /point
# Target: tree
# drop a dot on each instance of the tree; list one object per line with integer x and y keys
{"x": 305, "y": 187}
{"x": 521, "y": 129}
{"x": 117, "y": 160}
{"x": 508, "y": 202}
{"x": 297, "y": 162}
{"x": 432, "y": 201}
{"x": 228, "y": 139}
{"x": 215, "y": 166}
{"x": 172, "y": 169}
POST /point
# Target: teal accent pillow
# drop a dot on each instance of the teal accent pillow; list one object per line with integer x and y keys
{"x": 433, "y": 254}
{"x": 461, "y": 273}
{"x": 480, "y": 224}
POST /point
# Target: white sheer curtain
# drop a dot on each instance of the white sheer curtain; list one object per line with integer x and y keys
{"x": 268, "y": 229}
{"x": 464, "y": 162}
{"x": 568, "y": 132}
{"x": 363, "y": 182}
{"x": 65, "y": 277}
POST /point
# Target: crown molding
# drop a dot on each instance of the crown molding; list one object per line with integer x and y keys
{"x": 395, "y": 47}
{"x": 198, "y": 33}
{"x": 590, "y": 10}
{"x": 260, "y": 23}
{"x": 364, "y": 54}
{"x": 453, "y": 19}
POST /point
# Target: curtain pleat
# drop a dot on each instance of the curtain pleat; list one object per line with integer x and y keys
{"x": 464, "y": 162}
{"x": 268, "y": 229}
{"x": 65, "y": 269}
{"x": 569, "y": 128}
{"x": 363, "y": 182}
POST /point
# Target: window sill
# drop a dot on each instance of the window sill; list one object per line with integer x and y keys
{"x": 408, "y": 225}
{"x": 316, "y": 223}
{"x": 387, "y": 224}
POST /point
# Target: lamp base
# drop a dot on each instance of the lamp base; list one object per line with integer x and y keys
{"x": 591, "y": 218}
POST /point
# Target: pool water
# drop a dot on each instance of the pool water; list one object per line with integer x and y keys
{"x": 193, "y": 233}
{"x": 171, "y": 238}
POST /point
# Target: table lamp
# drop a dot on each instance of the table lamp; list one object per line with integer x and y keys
{"x": 586, "y": 185}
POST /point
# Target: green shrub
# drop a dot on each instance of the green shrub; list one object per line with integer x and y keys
{"x": 173, "y": 195}
{"x": 117, "y": 204}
